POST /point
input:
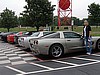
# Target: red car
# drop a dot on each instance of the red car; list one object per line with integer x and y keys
{"x": 10, "y": 38}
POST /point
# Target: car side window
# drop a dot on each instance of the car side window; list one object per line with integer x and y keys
{"x": 35, "y": 34}
{"x": 71, "y": 35}
{"x": 57, "y": 35}
{"x": 47, "y": 33}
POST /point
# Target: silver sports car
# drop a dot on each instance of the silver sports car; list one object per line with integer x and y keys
{"x": 24, "y": 41}
{"x": 61, "y": 42}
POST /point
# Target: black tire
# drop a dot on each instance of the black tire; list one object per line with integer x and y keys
{"x": 98, "y": 45}
{"x": 56, "y": 51}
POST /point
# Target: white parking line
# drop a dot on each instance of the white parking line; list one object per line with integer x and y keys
{"x": 20, "y": 52}
{"x": 28, "y": 58}
{"x": 18, "y": 62}
{"x": 25, "y": 55}
{"x": 14, "y": 58}
{"x": 11, "y": 54}
{"x": 3, "y": 57}
{"x": 15, "y": 69}
{"x": 5, "y": 62}
{"x": 16, "y": 49}
{"x": 85, "y": 59}
{"x": 77, "y": 65}
{"x": 90, "y": 63}
{"x": 35, "y": 72}
{"x": 42, "y": 66}
{"x": 6, "y": 49}
{"x": 96, "y": 55}
{"x": 2, "y": 54}
{"x": 65, "y": 63}
{"x": 8, "y": 52}
{"x": 61, "y": 68}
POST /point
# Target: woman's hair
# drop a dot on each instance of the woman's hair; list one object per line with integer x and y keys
{"x": 85, "y": 20}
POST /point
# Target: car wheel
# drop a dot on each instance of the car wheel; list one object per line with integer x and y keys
{"x": 98, "y": 44}
{"x": 56, "y": 51}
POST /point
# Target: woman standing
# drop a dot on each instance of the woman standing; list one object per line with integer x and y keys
{"x": 87, "y": 37}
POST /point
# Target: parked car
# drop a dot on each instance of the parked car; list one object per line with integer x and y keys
{"x": 4, "y": 36}
{"x": 57, "y": 44}
{"x": 24, "y": 41}
{"x": 10, "y": 38}
{"x": 1, "y": 34}
{"x": 28, "y": 33}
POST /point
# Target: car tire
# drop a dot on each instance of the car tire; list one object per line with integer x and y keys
{"x": 56, "y": 51}
{"x": 98, "y": 45}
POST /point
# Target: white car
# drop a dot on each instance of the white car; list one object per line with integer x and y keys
{"x": 24, "y": 41}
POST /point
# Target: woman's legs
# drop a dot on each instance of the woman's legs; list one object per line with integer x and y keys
{"x": 88, "y": 45}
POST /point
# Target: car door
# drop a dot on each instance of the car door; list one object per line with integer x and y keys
{"x": 73, "y": 41}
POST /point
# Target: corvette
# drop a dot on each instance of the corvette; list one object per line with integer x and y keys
{"x": 24, "y": 41}
{"x": 25, "y": 34}
{"x": 61, "y": 42}
{"x": 4, "y": 35}
{"x": 10, "y": 38}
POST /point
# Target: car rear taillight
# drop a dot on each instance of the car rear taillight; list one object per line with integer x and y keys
{"x": 35, "y": 42}
{"x": 22, "y": 39}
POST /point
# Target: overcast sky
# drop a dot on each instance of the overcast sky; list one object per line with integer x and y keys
{"x": 79, "y": 6}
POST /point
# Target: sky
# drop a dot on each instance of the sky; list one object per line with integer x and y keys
{"x": 79, "y": 6}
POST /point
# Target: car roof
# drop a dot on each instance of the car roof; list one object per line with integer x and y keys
{"x": 62, "y": 32}
{"x": 68, "y": 31}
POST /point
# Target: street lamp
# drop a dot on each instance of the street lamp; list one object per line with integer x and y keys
{"x": 72, "y": 24}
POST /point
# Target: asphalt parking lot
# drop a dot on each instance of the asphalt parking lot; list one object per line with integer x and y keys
{"x": 16, "y": 61}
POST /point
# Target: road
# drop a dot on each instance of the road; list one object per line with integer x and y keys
{"x": 16, "y": 61}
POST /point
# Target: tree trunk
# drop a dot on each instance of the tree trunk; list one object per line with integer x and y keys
{"x": 97, "y": 25}
{"x": 37, "y": 29}
{"x": 8, "y": 29}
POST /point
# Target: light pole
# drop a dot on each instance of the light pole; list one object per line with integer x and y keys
{"x": 72, "y": 24}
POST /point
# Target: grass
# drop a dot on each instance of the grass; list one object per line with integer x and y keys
{"x": 17, "y": 29}
{"x": 79, "y": 29}
{"x": 95, "y": 30}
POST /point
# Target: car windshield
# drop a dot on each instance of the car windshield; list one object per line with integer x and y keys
{"x": 18, "y": 33}
{"x": 26, "y": 33}
{"x": 35, "y": 34}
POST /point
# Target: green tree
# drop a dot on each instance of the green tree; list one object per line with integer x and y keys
{"x": 55, "y": 20}
{"x": 8, "y": 19}
{"x": 25, "y": 20}
{"x": 94, "y": 14}
{"x": 38, "y": 13}
{"x": 0, "y": 21}
{"x": 77, "y": 21}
